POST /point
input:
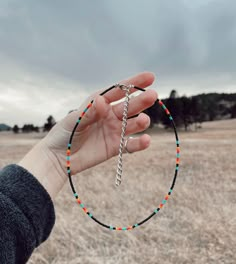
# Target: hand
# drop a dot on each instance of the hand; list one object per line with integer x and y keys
{"x": 97, "y": 136}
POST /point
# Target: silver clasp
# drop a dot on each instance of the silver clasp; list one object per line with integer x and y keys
{"x": 124, "y": 87}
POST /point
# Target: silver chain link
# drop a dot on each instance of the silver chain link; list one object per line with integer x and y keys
{"x": 119, "y": 170}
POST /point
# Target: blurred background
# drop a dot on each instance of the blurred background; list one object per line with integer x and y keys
{"x": 54, "y": 54}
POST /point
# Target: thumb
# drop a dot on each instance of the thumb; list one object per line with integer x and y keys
{"x": 88, "y": 114}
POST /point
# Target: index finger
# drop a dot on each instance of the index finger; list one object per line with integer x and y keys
{"x": 141, "y": 80}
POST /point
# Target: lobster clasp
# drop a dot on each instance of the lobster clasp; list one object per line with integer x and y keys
{"x": 124, "y": 87}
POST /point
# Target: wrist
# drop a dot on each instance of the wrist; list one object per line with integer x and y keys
{"x": 40, "y": 162}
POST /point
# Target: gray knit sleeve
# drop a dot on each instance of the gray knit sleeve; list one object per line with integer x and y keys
{"x": 26, "y": 214}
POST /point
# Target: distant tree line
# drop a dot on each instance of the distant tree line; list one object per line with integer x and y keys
{"x": 194, "y": 110}
{"x": 186, "y": 111}
{"x": 28, "y": 128}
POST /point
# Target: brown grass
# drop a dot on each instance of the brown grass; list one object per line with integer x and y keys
{"x": 198, "y": 224}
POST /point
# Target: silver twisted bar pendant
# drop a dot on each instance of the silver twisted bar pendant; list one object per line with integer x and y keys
{"x": 119, "y": 170}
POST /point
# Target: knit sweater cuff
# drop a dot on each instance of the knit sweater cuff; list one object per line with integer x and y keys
{"x": 31, "y": 198}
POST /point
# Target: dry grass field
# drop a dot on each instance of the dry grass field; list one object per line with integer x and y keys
{"x": 197, "y": 225}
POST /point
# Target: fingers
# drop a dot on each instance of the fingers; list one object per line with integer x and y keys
{"x": 137, "y": 104}
{"x": 138, "y": 143}
{"x": 141, "y": 80}
{"x": 101, "y": 105}
{"x": 137, "y": 124}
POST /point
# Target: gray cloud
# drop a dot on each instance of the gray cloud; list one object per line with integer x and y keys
{"x": 190, "y": 45}
{"x": 80, "y": 39}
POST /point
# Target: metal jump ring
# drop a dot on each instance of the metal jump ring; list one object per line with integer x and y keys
{"x": 125, "y": 145}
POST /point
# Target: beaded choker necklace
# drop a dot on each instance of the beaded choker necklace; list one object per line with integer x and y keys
{"x": 126, "y": 89}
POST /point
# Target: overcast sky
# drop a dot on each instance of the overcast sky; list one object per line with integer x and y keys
{"x": 53, "y": 54}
